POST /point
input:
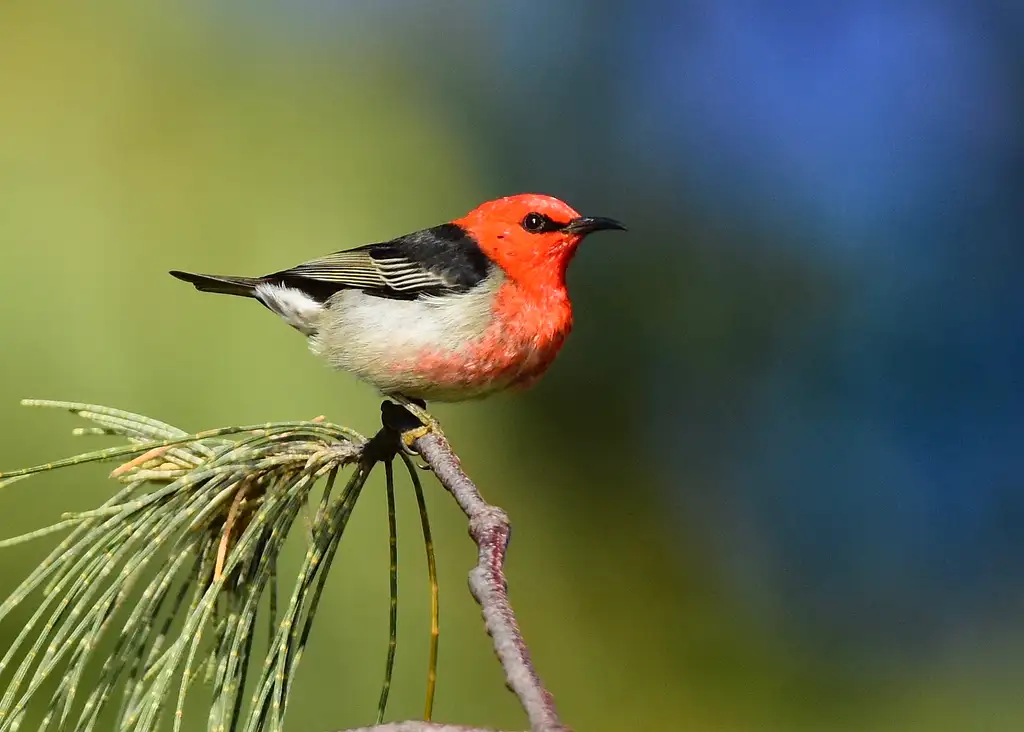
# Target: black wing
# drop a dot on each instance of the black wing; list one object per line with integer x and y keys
{"x": 433, "y": 261}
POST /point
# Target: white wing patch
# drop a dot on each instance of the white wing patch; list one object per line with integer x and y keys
{"x": 295, "y": 307}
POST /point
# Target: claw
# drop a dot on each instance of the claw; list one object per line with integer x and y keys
{"x": 416, "y": 408}
{"x": 409, "y": 435}
{"x": 407, "y": 447}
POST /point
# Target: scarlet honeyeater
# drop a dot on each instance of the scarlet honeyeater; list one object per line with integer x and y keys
{"x": 453, "y": 312}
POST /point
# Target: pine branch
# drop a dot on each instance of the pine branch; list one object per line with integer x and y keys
{"x": 489, "y": 528}
{"x": 210, "y": 512}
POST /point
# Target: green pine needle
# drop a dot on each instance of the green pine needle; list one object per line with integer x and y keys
{"x": 171, "y": 571}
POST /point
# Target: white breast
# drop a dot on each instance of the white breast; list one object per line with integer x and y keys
{"x": 369, "y": 335}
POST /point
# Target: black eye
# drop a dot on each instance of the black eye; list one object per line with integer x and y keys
{"x": 535, "y": 223}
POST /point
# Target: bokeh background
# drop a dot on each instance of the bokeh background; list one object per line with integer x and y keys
{"x": 774, "y": 482}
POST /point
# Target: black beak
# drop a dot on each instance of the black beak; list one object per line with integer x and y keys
{"x": 589, "y": 224}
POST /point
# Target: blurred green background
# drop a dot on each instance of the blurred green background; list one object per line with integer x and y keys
{"x": 773, "y": 482}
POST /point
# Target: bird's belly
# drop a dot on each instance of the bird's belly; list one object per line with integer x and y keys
{"x": 385, "y": 341}
{"x": 489, "y": 364}
{"x": 448, "y": 349}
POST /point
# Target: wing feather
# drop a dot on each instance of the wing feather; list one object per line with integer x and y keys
{"x": 430, "y": 262}
{"x": 362, "y": 269}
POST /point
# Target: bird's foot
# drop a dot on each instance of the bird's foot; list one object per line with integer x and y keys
{"x": 417, "y": 408}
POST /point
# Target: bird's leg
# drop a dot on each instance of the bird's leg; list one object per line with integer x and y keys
{"x": 417, "y": 408}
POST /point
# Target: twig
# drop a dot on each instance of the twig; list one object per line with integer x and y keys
{"x": 489, "y": 528}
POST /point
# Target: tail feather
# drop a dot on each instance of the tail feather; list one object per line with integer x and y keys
{"x": 241, "y": 286}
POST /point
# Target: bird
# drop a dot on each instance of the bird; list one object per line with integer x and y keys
{"x": 453, "y": 312}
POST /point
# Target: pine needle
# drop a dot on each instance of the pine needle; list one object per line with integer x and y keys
{"x": 169, "y": 573}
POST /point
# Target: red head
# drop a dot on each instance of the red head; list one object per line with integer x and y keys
{"x": 530, "y": 236}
